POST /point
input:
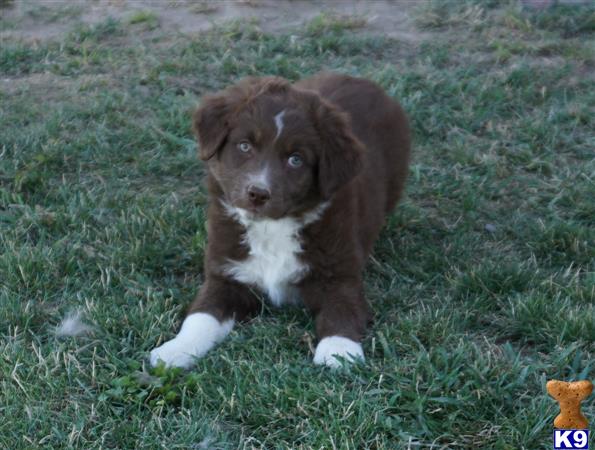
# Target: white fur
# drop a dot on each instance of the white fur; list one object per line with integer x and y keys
{"x": 260, "y": 179}
{"x": 199, "y": 333}
{"x": 274, "y": 245}
{"x": 279, "y": 123}
{"x": 332, "y": 346}
{"x": 72, "y": 325}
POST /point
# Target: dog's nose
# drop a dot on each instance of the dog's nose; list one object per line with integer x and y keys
{"x": 258, "y": 196}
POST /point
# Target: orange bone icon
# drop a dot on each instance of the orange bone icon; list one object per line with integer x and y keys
{"x": 569, "y": 396}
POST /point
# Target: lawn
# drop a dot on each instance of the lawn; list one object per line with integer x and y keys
{"x": 482, "y": 283}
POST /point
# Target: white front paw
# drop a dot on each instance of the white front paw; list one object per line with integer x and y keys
{"x": 174, "y": 353}
{"x": 199, "y": 333}
{"x": 332, "y": 346}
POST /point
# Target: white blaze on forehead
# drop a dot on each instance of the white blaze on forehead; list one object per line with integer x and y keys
{"x": 279, "y": 123}
{"x": 260, "y": 179}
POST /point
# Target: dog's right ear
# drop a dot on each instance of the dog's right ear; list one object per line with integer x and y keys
{"x": 211, "y": 124}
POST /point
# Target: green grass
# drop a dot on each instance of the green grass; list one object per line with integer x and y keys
{"x": 149, "y": 18}
{"x": 483, "y": 281}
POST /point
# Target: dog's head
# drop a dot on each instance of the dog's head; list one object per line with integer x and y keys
{"x": 275, "y": 150}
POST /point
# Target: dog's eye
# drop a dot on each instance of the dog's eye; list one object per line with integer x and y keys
{"x": 244, "y": 146}
{"x": 295, "y": 161}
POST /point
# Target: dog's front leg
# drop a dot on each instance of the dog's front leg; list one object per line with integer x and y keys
{"x": 342, "y": 315}
{"x": 210, "y": 318}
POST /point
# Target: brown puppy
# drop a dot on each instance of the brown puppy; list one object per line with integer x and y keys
{"x": 301, "y": 178}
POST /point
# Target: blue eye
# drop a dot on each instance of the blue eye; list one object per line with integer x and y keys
{"x": 295, "y": 161}
{"x": 244, "y": 146}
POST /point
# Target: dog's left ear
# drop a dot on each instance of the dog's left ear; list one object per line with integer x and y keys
{"x": 342, "y": 153}
{"x": 210, "y": 123}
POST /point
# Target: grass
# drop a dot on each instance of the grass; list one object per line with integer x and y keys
{"x": 149, "y": 18}
{"x": 483, "y": 281}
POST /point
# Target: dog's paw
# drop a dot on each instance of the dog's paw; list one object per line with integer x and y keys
{"x": 329, "y": 348}
{"x": 174, "y": 353}
{"x": 199, "y": 333}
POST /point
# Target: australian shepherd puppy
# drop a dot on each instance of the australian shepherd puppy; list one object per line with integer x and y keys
{"x": 301, "y": 177}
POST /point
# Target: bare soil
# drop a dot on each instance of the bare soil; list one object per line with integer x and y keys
{"x": 41, "y": 20}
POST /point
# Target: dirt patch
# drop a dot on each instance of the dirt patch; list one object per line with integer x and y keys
{"x": 42, "y": 20}
{"x": 51, "y": 86}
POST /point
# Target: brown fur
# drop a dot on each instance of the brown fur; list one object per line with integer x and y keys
{"x": 355, "y": 144}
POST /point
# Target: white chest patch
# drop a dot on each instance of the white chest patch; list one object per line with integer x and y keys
{"x": 273, "y": 264}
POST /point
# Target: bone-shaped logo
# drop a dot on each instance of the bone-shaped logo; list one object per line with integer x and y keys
{"x": 570, "y": 395}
